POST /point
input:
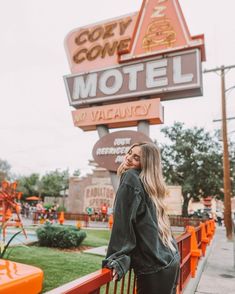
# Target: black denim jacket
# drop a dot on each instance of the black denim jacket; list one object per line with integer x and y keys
{"x": 134, "y": 240}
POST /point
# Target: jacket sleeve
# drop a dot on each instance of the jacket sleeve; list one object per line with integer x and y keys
{"x": 123, "y": 239}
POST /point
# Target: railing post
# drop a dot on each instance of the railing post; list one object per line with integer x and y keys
{"x": 195, "y": 252}
{"x": 205, "y": 240}
{"x": 209, "y": 231}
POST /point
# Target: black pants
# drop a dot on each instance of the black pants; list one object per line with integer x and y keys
{"x": 162, "y": 282}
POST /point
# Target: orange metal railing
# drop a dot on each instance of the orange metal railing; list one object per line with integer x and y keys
{"x": 183, "y": 242}
{"x": 192, "y": 245}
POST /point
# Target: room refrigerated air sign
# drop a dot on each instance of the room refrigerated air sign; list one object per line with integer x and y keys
{"x": 148, "y": 54}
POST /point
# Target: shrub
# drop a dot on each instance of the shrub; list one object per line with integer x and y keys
{"x": 51, "y": 235}
{"x": 61, "y": 208}
{"x": 47, "y": 206}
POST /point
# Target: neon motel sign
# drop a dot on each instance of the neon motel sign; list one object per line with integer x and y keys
{"x": 171, "y": 74}
{"x": 148, "y": 54}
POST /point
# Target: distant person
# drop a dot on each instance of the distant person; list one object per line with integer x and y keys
{"x": 39, "y": 211}
{"x": 39, "y": 207}
{"x": 219, "y": 217}
{"x": 141, "y": 236}
{"x": 26, "y": 208}
{"x": 23, "y": 209}
{"x": 104, "y": 210}
{"x": 53, "y": 213}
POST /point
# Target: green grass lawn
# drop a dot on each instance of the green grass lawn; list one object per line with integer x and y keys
{"x": 96, "y": 238}
{"x": 59, "y": 267}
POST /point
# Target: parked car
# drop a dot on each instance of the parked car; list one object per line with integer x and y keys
{"x": 201, "y": 213}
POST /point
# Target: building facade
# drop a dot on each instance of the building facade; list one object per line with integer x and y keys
{"x": 95, "y": 190}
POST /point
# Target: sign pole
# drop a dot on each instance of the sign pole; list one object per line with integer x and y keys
{"x": 103, "y": 131}
{"x": 143, "y": 127}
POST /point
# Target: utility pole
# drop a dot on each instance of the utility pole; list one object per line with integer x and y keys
{"x": 226, "y": 163}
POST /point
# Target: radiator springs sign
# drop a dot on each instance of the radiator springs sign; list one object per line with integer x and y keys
{"x": 97, "y": 195}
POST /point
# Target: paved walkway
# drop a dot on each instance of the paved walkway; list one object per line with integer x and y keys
{"x": 97, "y": 251}
{"x": 91, "y": 225}
{"x": 216, "y": 271}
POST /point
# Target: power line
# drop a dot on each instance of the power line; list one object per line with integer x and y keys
{"x": 219, "y": 69}
{"x": 228, "y": 118}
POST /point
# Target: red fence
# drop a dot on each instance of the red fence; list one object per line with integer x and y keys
{"x": 180, "y": 221}
{"x": 190, "y": 245}
{"x": 175, "y": 220}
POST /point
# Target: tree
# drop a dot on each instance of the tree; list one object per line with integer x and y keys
{"x": 55, "y": 183}
{"x": 29, "y": 185}
{"x": 76, "y": 173}
{"x": 4, "y": 170}
{"x": 193, "y": 160}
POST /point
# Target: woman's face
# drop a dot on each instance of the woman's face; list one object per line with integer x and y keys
{"x": 132, "y": 158}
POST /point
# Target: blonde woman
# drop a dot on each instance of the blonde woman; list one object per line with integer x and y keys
{"x": 141, "y": 236}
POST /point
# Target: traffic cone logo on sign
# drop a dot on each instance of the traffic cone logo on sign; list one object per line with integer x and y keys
{"x": 160, "y": 28}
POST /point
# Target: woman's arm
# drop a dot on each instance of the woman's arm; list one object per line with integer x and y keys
{"x": 123, "y": 239}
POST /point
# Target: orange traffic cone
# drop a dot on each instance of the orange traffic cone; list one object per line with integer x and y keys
{"x": 78, "y": 225}
{"x": 61, "y": 218}
{"x": 110, "y": 221}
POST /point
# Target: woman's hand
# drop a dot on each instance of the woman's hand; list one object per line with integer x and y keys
{"x": 114, "y": 275}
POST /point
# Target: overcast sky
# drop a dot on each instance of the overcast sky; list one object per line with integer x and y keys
{"x": 36, "y": 128}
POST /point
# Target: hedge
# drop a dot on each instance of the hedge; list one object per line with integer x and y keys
{"x": 51, "y": 235}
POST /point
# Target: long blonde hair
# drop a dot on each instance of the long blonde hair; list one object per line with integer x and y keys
{"x": 154, "y": 184}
